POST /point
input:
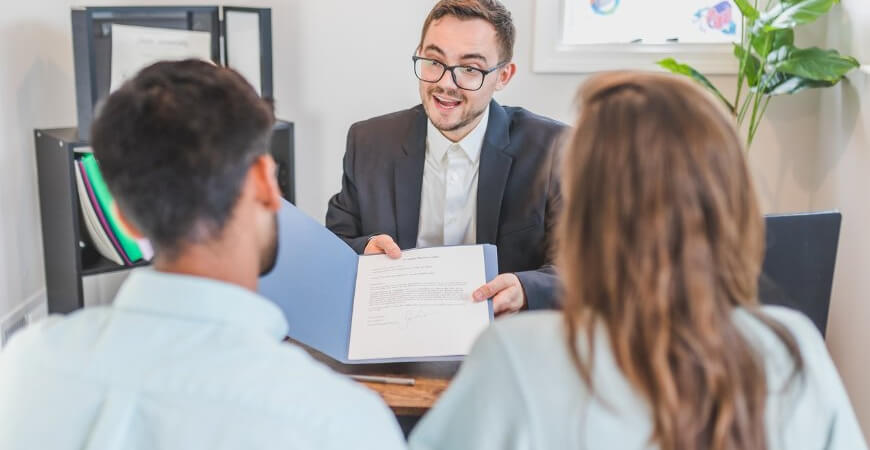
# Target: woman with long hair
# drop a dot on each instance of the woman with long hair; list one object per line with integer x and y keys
{"x": 662, "y": 343}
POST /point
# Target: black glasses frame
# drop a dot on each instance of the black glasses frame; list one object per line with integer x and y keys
{"x": 446, "y": 68}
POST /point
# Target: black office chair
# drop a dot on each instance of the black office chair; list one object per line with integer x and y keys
{"x": 798, "y": 269}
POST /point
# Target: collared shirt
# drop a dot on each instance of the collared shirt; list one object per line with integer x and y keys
{"x": 520, "y": 384}
{"x": 179, "y": 362}
{"x": 448, "y": 202}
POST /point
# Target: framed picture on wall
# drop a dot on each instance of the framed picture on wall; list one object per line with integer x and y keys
{"x": 581, "y": 36}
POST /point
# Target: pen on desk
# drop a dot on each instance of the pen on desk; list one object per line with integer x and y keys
{"x": 385, "y": 380}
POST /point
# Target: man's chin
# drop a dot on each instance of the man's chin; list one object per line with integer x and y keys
{"x": 448, "y": 127}
{"x": 446, "y": 124}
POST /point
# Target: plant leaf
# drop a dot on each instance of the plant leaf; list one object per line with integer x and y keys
{"x": 780, "y": 54}
{"x": 789, "y": 14}
{"x": 779, "y": 83}
{"x": 817, "y": 64}
{"x": 778, "y": 39}
{"x": 769, "y": 82}
{"x": 794, "y": 85}
{"x": 796, "y": 1}
{"x": 671, "y": 65}
{"x": 747, "y": 10}
{"x": 782, "y": 38}
{"x": 751, "y": 66}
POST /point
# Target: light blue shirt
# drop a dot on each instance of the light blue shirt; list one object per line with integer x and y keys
{"x": 519, "y": 389}
{"x": 179, "y": 362}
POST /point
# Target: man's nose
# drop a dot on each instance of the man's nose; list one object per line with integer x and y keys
{"x": 447, "y": 84}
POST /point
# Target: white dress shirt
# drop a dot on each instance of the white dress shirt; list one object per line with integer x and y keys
{"x": 519, "y": 390}
{"x": 448, "y": 202}
{"x": 179, "y": 362}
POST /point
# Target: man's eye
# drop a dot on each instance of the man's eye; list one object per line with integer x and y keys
{"x": 433, "y": 63}
{"x": 468, "y": 70}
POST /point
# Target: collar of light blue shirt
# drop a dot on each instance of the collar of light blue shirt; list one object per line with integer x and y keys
{"x": 199, "y": 299}
{"x": 471, "y": 144}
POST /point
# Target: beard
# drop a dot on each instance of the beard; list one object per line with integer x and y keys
{"x": 466, "y": 118}
{"x": 269, "y": 255}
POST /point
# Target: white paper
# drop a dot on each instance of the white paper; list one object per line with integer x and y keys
{"x": 243, "y": 45}
{"x": 419, "y": 305}
{"x": 134, "y": 48}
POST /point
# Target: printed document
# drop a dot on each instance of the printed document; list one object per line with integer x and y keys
{"x": 134, "y": 48}
{"x": 419, "y": 305}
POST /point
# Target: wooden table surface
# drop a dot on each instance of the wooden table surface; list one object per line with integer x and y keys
{"x": 430, "y": 380}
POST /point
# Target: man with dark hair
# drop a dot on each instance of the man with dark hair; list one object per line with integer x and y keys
{"x": 459, "y": 168}
{"x": 188, "y": 356}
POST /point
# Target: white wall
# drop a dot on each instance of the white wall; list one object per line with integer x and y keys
{"x": 35, "y": 91}
{"x": 314, "y": 44}
{"x": 842, "y": 164}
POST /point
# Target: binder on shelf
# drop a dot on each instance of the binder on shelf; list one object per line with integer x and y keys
{"x": 100, "y": 216}
{"x": 95, "y": 223}
{"x": 129, "y": 246}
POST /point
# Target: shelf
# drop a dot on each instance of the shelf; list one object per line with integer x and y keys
{"x": 106, "y": 266}
{"x": 69, "y": 253}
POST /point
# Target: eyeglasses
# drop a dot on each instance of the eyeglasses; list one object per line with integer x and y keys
{"x": 465, "y": 77}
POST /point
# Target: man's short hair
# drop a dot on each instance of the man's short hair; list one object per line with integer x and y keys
{"x": 175, "y": 144}
{"x": 492, "y": 11}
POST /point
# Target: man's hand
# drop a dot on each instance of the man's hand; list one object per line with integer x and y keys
{"x": 383, "y": 243}
{"x": 506, "y": 292}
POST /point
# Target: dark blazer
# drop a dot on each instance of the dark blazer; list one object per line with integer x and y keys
{"x": 517, "y": 194}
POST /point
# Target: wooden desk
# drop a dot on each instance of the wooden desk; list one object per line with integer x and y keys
{"x": 410, "y": 400}
{"x": 430, "y": 380}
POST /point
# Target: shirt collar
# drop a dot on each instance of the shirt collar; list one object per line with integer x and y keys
{"x": 471, "y": 144}
{"x": 200, "y": 299}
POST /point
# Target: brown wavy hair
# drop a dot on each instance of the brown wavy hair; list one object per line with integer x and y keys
{"x": 660, "y": 240}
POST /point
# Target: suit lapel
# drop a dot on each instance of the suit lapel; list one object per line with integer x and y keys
{"x": 495, "y": 166}
{"x": 408, "y": 178}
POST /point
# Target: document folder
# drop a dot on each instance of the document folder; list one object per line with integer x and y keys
{"x": 313, "y": 283}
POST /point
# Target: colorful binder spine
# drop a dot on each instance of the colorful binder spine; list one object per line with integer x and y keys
{"x": 129, "y": 246}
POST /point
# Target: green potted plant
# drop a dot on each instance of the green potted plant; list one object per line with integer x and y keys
{"x": 770, "y": 64}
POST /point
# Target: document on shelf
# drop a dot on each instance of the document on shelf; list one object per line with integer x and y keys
{"x": 134, "y": 48}
{"x": 419, "y": 304}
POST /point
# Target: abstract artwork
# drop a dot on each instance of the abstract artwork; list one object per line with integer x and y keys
{"x": 595, "y": 22}
{"x": 604, "y": 7}
{"x": 719, "y": 17}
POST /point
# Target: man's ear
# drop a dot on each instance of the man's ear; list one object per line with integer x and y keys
{"x": 126, "y": 225}
{"x": 505, "y": 74}
{"x": 266, "y": 190}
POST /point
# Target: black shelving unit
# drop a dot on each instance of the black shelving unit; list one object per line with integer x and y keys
{"x": 67, "y": 248}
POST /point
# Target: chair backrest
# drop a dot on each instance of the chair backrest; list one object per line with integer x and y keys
{"x": 798, "y": 269}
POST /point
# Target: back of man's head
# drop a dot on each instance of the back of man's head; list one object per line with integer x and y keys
{"x": 175, "y": 144}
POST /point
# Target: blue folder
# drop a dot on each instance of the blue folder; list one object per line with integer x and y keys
{"x": 313, "y": 283}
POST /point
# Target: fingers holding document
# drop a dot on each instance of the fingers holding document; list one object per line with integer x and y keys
{"x": 383, "y": 243}
{"x": 506, "y": 292}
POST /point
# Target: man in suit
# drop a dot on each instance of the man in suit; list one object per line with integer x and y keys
{"x": 459, "y": 168}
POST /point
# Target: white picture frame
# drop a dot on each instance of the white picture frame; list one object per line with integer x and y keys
{"x": 552, "y": 55}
